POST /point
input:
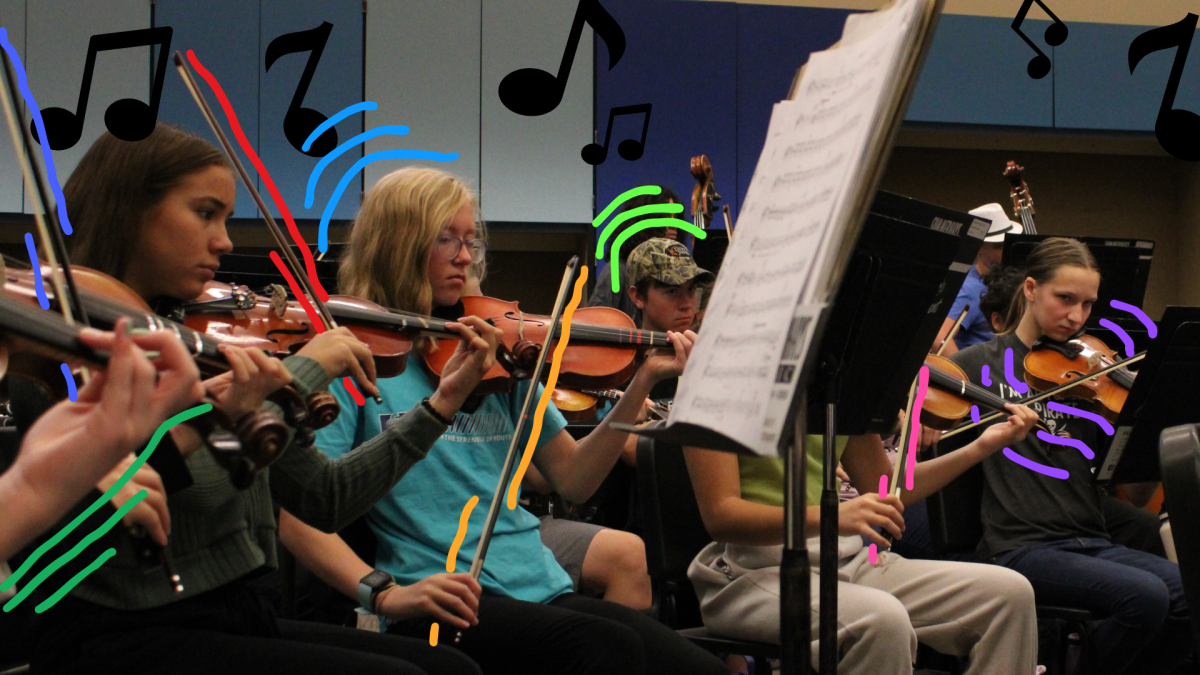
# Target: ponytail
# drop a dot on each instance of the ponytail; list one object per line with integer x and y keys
{"x": 1041, "y": 266}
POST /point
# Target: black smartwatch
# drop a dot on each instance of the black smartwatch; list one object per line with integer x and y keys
{"x": 370, "y": 586}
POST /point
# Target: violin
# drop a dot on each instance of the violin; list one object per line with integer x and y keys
{"x": 950, "y": 395}
{"x": 603, "y": 352}
{"x": 1051, "y": 364}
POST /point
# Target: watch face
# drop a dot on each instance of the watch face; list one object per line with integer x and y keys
{"x": 377, "y": 579}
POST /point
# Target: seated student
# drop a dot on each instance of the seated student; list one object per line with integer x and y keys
{"x": 152, "y": 213}
{"x": 1000, "y": 287}
{"x": 1051, "y": 528}
{"x": 602, "y": 293}
{"x": 883, "y": 608}
{"x": 75, "y": 443}
{"x": 415, "y": 236}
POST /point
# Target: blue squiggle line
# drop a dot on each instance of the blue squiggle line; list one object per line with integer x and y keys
{"x": 983, "y": 376}
{"x": 37, "y": 271}
{"x": 1072, "y": 442}
{"x": 1108, "y": 428}
{"x": 1017, "y": 385}
{"x": 71, "y": 391}
{"x": 1119, "y": 332}
{"x": 1150, "y": 327}
{"x": 34, "y": 110}
{"x": 310, "y": 191}
{"x": 1034, "y": 466}
{"x": 338, "y": 117}
{"x": 323, "y": 232}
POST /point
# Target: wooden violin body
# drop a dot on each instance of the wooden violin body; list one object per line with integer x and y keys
{"x": 950, "y": 395}
{"x": 1051, "y": 364}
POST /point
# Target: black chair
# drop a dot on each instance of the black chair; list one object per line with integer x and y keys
{"x": 956, "y": 528}
{"x": 674, "y": 533}
{"x": 1179, "y": 456}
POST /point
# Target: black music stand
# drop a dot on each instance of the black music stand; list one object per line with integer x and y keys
{"x": 871, "y": 343}
{"x": 1160, "y": 398}
{"x": 1124, "y": 269}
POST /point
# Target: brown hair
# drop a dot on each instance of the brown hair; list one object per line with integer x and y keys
{"x": 117, "y": 185}
{"x": 401, "y": 216}
{"x": 1041, "y": 266}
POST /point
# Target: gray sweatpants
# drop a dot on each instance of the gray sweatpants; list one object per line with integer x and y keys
{"x": 984, "y": 611}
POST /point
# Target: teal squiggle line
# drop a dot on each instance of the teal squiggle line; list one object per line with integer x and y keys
{"x": 75, "y": 551}
{"x": 338, "y": 117}
{"x": 310, "y": 190}
{"x": 154, "y": 441}
{"x": 60, "y": 593}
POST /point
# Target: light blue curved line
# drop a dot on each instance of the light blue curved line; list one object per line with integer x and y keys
{"x": 337, "y": 117}
{"x": 1150, "y": 327}
{"x": 398, "y": 129}
{"x": 1119, "y": 332}
{"x": 71, "y": 391}
{"x": 1073, "y": 442}
{"x": 1034, "y": 466}
{"x": 632, "y": 213}
{"x": 37, "y": 271}
{"x": 1108, "y": 428}
{"x": 323, "y": 232}
{"x": 36, "y": 112}
{"x": 646, "y": 224}
{"x": 622, "y": 198}
{"x": 987, "y": 381}
{"x": 1017, "y": 385}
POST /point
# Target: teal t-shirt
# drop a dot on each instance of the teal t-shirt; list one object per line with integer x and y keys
{"x": 415, "y": 524}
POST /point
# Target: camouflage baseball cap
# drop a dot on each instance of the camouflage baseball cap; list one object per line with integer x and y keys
{"x": 666, "y": 261}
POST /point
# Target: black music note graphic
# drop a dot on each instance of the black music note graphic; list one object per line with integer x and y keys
{"x": 532, "y": 91}
{"x": 1178, "y": 131}
{"x": 299, "y": 122}
{"x": 1056, "y": 34}
{"x": 128, "y": 119}
{"x": 630, "y": 149}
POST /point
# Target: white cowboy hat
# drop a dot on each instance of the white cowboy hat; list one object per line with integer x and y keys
{"x": 1001, "y": 225}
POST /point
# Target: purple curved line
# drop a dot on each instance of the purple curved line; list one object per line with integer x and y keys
{"x": 1034, "y": 466}
{"x": 1073, "y": 442}
{"x": 1150, "y": 327}
{"x": 1108, "y": 428}
{"x": 983, "y": 376}
{"x": 975, "y": 414}
{"x": 1017, "y": 385}
{"x": 1119, "y": 332}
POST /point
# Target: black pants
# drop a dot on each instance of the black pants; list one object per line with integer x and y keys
{"x": 228, "y": 630}
{"x": 572, "y": 635}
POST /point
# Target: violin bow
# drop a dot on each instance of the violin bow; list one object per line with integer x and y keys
{"x": 953, "y": 329}
{"x": 296, "y": 268}
{"x": 485, "y": 539}
{"x": 1049, "y": 392}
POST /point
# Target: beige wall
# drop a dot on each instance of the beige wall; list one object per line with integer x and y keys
{"x": 1075, "y": 193}
{"x": 1137, "y": 12}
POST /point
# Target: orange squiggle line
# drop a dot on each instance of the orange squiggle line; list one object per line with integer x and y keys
{"x": 452, "y": 556}
{"x": 433, "y": 635}
{"x": 549, "y": 390}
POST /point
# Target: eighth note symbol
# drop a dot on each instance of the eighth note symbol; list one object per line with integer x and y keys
{"x": 1056, "y": 34}
{"x": 128, "y": 119}
{"x": 299, "y": 122}
{"x": 594, "y": 153}
{"x": 532, "y": 91}
{"x": 1178, "y": 131}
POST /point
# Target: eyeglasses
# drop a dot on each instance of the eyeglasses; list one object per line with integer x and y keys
{"x": 448, "y": 247}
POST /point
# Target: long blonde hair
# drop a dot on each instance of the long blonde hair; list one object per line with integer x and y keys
{"x": 401, "y": 216}
{"x": 1041, "y": 265}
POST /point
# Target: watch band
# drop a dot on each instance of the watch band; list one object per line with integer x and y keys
{"x": 370, "y": 586}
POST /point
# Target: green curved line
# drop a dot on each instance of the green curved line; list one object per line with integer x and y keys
{"x": 154, "y": 441}
{"x": 75, "y": 550}
{"x": 645, "y": 224}
{"x": 622, "y": 198}
{"x": 58, "y": 595}
{"x": 633, "y": 213}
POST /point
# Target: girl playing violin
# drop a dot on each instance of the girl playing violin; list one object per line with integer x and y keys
{"x": 416, "y": 235}
{"x": 1052, "y": 529}
{"x": 152, "y": 214}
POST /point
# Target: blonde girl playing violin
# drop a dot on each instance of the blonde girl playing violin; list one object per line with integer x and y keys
{"x": 153, "y": 214}
{"x": 416, "y": 235}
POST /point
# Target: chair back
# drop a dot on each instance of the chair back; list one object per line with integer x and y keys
{"x": 674, "y": 530}
{"x": 1179, "y": 457}
{"x": 955, "y": 526}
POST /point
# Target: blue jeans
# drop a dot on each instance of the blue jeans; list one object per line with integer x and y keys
{"x": 1145, "y": 627}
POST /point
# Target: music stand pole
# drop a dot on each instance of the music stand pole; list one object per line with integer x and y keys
{"x": 828, "y": 653}
{"x": 794, "y": 581}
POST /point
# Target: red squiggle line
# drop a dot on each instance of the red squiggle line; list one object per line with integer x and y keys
{"x": 309, "y": 263}
{"x": 318, "y": 325}
{"x": 354, "y": 392}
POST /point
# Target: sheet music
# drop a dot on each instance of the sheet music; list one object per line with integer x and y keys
{"x": 761, "y": 318}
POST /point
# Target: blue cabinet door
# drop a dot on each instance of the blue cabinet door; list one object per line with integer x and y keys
{"x": 680, "y": 57}
{"x": 773, "y": 42}
{"x": 337, "y": 83}
{"x": 224, "y": 36}
{"x": 12, "y": 184}
{"x": 975, "y": 74}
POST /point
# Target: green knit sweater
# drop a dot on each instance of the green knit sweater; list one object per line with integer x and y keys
{"x": 219, "y": 534}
